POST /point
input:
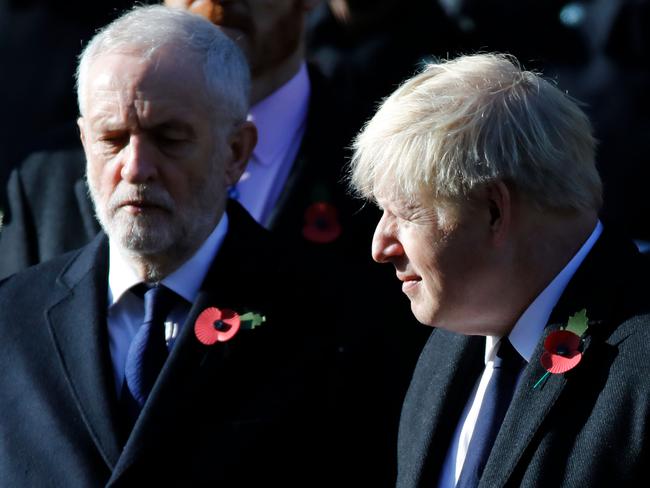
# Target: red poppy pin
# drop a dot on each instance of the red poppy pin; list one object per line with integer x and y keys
{"x": 321, "y": 223}
{"x": 563, "y": 347}
{"x": 220, "y": 325}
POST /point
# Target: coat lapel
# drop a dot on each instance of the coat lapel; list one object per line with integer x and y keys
{"x": 232, "y": 282}
{"x": 317, "y": 170}
{"x": 434, "y": 403}
{"x": 175, "y": 388}
{"x": 77, "y": 322}
{"x": 528, "y": 410}
{"x": 593, "y": 288}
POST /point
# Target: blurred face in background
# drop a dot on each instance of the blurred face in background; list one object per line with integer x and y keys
{"x": 268, "y": 31}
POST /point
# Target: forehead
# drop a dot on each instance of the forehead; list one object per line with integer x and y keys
{"x": 162, "y": 85}
{"x": 403, "y": 207}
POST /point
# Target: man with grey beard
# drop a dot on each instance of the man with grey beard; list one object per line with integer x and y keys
{"x": 164, "y": 353}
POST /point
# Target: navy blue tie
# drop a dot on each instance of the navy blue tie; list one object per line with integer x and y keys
{"x": 148, "y": 350}
{"x": 508, "y": 364}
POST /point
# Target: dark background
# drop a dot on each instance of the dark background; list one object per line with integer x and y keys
{"x": 597, "y": 50}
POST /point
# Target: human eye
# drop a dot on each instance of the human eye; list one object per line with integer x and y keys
{"x": 112, "y": 141}
{"x": 169, "y": 139}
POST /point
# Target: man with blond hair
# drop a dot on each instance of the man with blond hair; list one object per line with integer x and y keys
{"x": 537, "y": 370}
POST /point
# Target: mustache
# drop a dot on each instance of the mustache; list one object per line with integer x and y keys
{"x": 143, "y": 195}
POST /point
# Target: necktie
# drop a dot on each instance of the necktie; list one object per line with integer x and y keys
{"x": 147, "y": 352}
{"x": 498, "y": 394}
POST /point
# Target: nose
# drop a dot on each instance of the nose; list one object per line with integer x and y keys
{"x": 139, "y": 165}
{"x": 385, "y": 244}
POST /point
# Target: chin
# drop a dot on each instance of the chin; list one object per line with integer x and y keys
{"x": 425, "y": 317}
{"x": 141, "y": 237}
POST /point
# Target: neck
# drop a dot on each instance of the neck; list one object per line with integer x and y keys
{"x": 269, "y": 81}
{"x": 546, "y": 245}
{"x": 150, "y": 269}
{"x": 154, "y": 267}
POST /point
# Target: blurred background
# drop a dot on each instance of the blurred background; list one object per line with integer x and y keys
{"x": 596, "y": 50}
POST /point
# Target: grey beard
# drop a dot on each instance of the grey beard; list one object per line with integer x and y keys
{"x": 160, "y": 242}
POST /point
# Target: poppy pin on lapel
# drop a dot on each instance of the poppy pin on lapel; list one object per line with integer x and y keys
{"x": 220, "y": 325}
{"x": 562, "y": 348}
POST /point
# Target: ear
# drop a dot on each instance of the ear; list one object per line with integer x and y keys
{"x": 80, "y": 124}
{"x": 242, "y": 142}
{"x": 499, "y": 206}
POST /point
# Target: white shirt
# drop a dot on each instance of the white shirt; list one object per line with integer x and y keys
{"x": 524, "y": 337}
{"x": 280, "y": 119}
{"x": 126, "y": 310}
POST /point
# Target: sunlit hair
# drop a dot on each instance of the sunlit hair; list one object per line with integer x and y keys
{"x": 146, "y": 30}
{"x": 466, "y": 122}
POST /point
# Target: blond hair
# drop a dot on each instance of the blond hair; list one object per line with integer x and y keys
{"x": 468, "y": 121}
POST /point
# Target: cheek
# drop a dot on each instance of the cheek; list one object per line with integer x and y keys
{"x": 103, "y": 167}
{"x": 182, "y": 179}
{"x": 437, "y": 264}
{"x": 435, "y": 280}
{"x": 95, "y": 176}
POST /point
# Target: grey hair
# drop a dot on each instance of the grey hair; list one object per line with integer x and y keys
{"x": 146, "y": 30}
{"x": 472, "y": 120}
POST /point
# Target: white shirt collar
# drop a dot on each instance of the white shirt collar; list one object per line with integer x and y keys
{"x": 280, "y": 115}
{"x": 529, "y": 328}
{"x": 185, "y": 281}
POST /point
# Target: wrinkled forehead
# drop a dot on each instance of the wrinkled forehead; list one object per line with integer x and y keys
{"x": 387, "y": 186}
{"x": 163, "y": 75}
{"x": 402, "y": 201}
{"x": 126, "y": 88}
{"x": 386, "y": 194}
{"x": 165, "y": 63}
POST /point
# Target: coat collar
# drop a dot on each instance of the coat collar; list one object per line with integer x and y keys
{"x": 434, "y": 403}
{"x": 77, "y": 322}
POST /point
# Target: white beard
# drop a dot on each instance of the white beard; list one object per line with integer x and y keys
{"x": 168, "y": 232}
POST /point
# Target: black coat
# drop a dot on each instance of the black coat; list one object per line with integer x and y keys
{"x": 587, "y": 427}
{"x": 253, "y": 411}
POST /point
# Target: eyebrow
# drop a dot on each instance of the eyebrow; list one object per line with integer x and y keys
{"x": 171, "y": 125}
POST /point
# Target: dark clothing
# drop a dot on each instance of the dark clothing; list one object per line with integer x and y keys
{"x": 252, "y": 411}
{"x": 50, "y": 211}
{"x": 587, "y": 427}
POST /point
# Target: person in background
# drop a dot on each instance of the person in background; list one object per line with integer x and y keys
{"x": 536, "y": 371}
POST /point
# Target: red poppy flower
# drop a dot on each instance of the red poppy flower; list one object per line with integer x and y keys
{"x": 321, "y": 223}
{"x": 214, "y": 325}
{"x": 561, "y": 352}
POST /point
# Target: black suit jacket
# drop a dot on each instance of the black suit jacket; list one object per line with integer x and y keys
{"x": 249, "y": 412}
{"x": 587, "y": 427}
